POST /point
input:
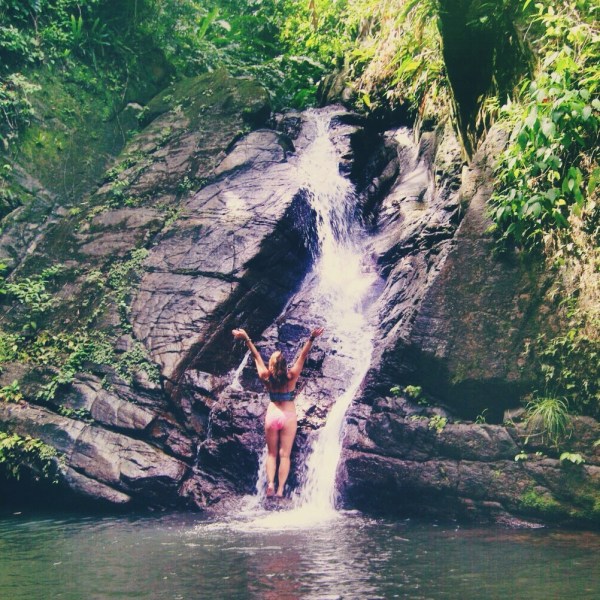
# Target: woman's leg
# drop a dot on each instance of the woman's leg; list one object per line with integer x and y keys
{"x": 272, "y": 436}
{"x": 286, "y": 441}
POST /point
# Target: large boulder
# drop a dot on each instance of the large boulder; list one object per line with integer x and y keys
{"x": 101, "y": 464}
{"x": 455, "y": 317}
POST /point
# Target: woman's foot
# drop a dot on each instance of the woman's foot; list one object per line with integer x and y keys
{"x": 270, "y": 490}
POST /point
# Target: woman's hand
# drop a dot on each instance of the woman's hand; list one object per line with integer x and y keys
{"x": 240, "y": 334}
{"x": 317, "y": 332}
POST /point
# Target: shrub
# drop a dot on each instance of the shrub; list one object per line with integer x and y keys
{"x": 18, "y": 454}
{"x": 548, "y": 418}
{"x": 549, "y": 170}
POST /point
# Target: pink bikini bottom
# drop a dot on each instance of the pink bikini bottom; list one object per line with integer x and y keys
{"x": 276, "y": 418}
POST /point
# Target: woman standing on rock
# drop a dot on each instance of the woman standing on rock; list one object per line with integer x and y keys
{"x": 280, "y": 421}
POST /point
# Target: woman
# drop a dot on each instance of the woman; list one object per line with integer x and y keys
{"x": 280, "y": 420}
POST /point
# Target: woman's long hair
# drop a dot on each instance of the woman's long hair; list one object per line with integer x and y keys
{"x": 278, "y": 376}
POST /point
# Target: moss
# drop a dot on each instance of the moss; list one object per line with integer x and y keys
{"x": 73, "y": 135}
{"x": 12, "y": 196}
{"x": 214, "y": 92}
{"x": 579, "y": 498}
{"x": 542, "y": 503}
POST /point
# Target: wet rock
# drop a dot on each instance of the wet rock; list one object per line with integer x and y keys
{"x": 235, "y": 438}
{"x": 263, "y": 146}
{"x": 91, "y": 488}
{"x": 106, "y": 407}
{"x": 116, "y": 232}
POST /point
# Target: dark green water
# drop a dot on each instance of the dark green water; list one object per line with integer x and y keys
{"x": 181, "y": 556}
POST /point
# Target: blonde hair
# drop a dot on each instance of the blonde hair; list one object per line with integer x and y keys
{"x": 278, "y": 369}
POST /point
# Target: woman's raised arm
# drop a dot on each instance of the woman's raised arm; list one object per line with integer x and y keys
{"x": 263, "y": 371}
{"x": 297, "y": 367}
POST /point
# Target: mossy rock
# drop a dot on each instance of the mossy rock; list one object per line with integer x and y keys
{"x": 212, "y": 94}
{"x": 75, "y": 133}
{"x": 541, "y": 502}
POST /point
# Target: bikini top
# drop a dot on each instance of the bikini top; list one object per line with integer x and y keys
{"x": 281, "y": 396}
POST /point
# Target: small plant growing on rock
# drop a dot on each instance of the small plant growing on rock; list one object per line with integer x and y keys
{"x": 548, "y": 418}
{"x": 572, "y": 457}
{"x": 31, "y": 293}
{"x": 414, "y": 392}
{"x": 81, "y": 414}
{"x": 481, "y": 418}
{"x": 438, "y": 423}
{"x": 11, "y": 393}
{"x": 521, "y": 456}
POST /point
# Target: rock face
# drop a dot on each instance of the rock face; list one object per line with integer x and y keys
{"x": 123, "y": 437}
{"x": 232, "y": 256}
{"x": 455, "y": 320}
{"x": 419, "y": 466}
{"x": 100, "y": 463}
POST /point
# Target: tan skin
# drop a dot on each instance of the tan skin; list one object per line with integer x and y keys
{"x": 279, "y": 442}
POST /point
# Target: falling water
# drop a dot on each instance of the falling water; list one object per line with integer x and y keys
{"x": 236, "y": 376}
{"x": 343, "y": 281}
{"x": 339, "y": 289}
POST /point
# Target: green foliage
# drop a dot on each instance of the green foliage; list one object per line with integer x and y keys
{"x": 136, "y": 360}
{"x": 79, "y": 349}
{"x": 481, "y": 418}
{"x": 407, "y": 66}
{"x": 11, "y": 393}
{"x": 548, "y": 418}
{"x": 521, "y": 456}
{"x": 17, "y": 454}
{"x": 437, "y": 423}
{"x": 80, "y": 414}
{"x": 82, "y": 349}
{"x": 569, "y": 365}
{"x": 414, "y": 392}
{"x": 543, "y": 503}
{"x": 120, "y": 278}
{"x": 390, "y": 52}
{"x": 572, "y": 457}
{"x": 31, "y": 291}
{"x": 549, "y": 170}
{"x": 32, "y": 294}
{"x": 10, "y": 344}
{"x": 16, "y": 110}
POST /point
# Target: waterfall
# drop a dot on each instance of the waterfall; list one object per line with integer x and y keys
{"x": 338, "y": 292}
